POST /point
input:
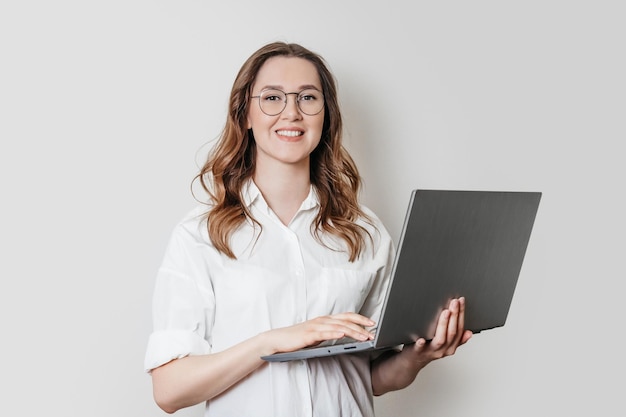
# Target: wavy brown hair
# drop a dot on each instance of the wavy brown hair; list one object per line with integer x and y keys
{"x": 231, "y": 162}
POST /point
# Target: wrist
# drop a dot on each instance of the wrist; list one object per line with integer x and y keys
{"x": 264, "y": 343}
{"x": 412, "y": 358}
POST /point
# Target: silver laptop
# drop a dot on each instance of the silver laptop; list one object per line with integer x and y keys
{"x": 453, "y": 243}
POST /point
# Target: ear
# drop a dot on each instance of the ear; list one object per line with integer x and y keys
{"x": 248, "y": 123}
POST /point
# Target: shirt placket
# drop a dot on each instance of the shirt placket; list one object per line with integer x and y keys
{"x": 302, "y": 371}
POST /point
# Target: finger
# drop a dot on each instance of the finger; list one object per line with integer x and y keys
{"x": 467, "y": 335}
{"x": 330, "y": 335}
{"x": 453, "y": 323}
{"x": 354, "y": 318}
{"x": 439, "y": 340}
{"x": 348, "y": 328}
{"x": 461, "y": 322}
{"x": 420, "y": 345}
{"x": 455, "y": 327}
{"x": 355, "y": 324}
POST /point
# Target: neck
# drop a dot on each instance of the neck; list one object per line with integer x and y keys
{"x": 284, "y": 188}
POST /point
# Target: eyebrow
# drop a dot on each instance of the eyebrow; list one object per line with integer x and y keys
{"x": 280, "y": 87}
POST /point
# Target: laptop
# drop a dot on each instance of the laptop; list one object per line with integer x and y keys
{"x": 453, "y": 243}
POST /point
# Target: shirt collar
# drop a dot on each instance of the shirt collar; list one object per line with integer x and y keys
{"x": 251, "y": 195}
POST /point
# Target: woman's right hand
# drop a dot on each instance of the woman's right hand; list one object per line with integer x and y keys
{"x": 317, "y": 330}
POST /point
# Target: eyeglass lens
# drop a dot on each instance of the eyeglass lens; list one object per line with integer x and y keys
{"x": 273, "y": 102}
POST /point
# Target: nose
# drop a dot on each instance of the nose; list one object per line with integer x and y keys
{"x": 292, "y": 111}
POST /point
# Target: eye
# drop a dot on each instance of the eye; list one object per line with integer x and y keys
{"x": 309, "y": 95}
{"x": 272, "y": 96}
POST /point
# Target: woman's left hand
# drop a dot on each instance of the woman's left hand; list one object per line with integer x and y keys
{"x": 449, "y": 335}
{"x": 393, "y": 371}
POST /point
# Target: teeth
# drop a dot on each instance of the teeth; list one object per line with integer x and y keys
{"x": 290, "y": 133}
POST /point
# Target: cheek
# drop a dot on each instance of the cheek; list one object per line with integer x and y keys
{"x": 320, "y": 126}
{"x": 257, "y": 119}
{"x": 252, "y": 118}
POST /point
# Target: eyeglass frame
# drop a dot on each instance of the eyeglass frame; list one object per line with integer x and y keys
{"x": 297, "y": 101}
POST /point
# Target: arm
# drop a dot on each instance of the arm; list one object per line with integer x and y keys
{"x": 194, "y": 379}
{"x": 397, "y": 370}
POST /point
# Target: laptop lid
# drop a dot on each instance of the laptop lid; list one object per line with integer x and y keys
{"x": 457, "y": 243}
{"x": 452, "y": 244}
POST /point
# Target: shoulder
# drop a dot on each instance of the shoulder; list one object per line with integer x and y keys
{"x": 189, "y": 245}
{"x": 192, "y": 226}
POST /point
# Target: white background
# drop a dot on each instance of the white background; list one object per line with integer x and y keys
{"x": 106, "y": 108}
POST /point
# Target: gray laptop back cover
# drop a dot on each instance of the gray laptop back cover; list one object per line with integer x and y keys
{"x": 453, "y": 243}
{"x": 457, "y": 243}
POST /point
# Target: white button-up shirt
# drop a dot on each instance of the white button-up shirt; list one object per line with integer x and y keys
{"x": 205, "y": 302}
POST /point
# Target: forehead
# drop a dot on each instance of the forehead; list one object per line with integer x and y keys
{"x": 287, "y": 73}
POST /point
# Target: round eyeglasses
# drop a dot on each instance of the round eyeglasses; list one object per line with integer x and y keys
{"x": 273, "y": 101}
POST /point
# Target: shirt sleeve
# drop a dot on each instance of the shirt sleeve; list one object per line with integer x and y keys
{"x": 383, "y": 258}
{"x": 183, "y": 303}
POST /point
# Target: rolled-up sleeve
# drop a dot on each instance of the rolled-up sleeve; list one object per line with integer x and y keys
{"x": 183, "y": 304}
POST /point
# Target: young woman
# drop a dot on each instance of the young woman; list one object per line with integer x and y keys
{"x": 281, "y": 257}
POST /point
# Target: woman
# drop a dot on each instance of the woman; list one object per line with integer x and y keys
{"x": 282, "y": 257}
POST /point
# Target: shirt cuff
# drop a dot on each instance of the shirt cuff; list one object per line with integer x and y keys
{"x": 167, "y": 345}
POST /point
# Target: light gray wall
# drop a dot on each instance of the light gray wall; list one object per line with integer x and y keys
{"x": 105, "y": 109}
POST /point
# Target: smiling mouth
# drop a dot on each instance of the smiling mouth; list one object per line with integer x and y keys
{"x": 290, "y": 133}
